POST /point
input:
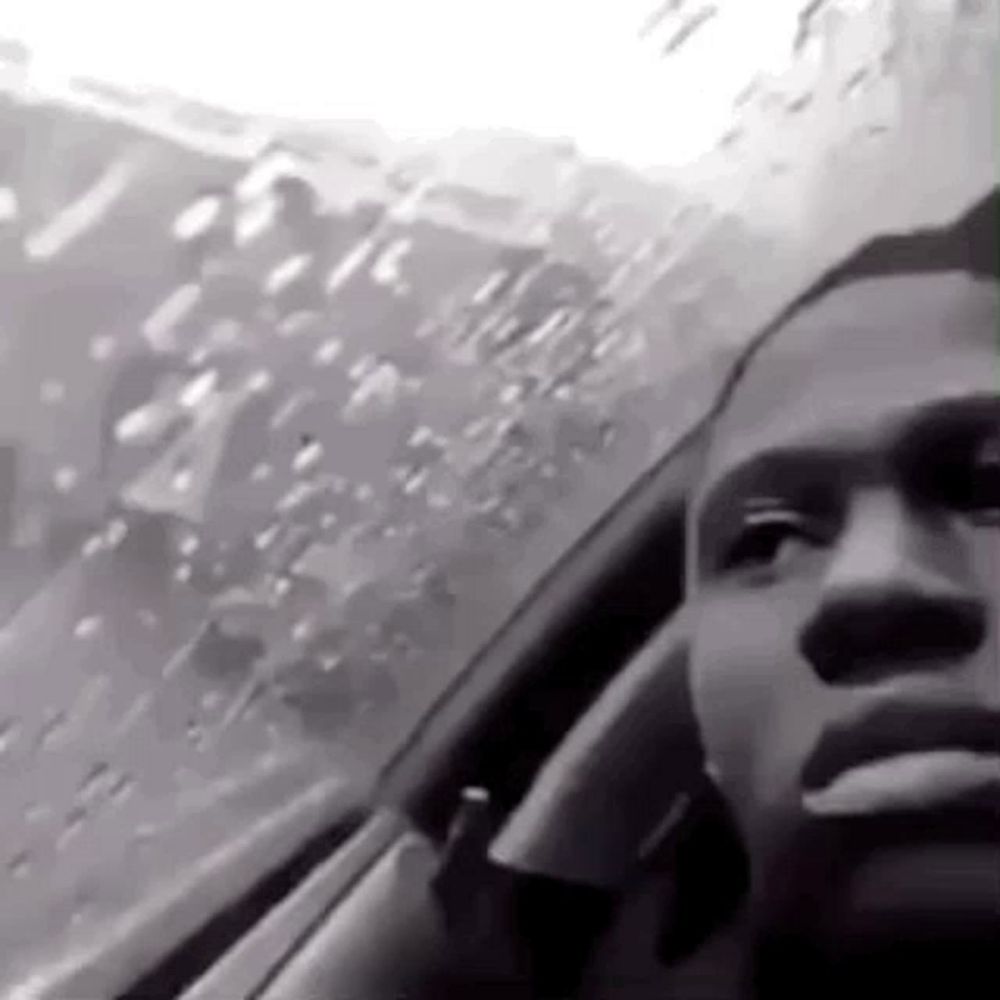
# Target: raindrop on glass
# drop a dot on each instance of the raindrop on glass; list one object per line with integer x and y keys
{"x": 122, "y": 789}
{"x": 198, "y": 389}
{"x": 182, "y": 481}
{"x": 328, "y": 352}
{"x": 65, "y": 478}
{"x": 309, "y": 454}
{"x": 92, "y": 546}
{"x": 53, "y": 391}
{"x": 115, "y": 533}
{"x": 96, "y": 781}
{"x": 75, "y": 820}
{"x": 87, "y": 627}
{"x": 19, "y": 866}
{"x": 260, "y": 381}
{"x": 102, "y": 347}
{"x": 10, "y": 731}
{"x": 188, "y": 545}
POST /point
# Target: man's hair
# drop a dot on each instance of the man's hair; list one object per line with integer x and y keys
{"x": 970, "y": 244}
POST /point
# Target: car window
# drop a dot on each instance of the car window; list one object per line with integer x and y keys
{"x": 300, "y": 393}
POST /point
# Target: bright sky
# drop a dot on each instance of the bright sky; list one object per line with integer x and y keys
{"x": 573, "y": 68}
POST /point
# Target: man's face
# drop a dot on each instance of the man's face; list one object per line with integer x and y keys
{"x": 846, "y": 605}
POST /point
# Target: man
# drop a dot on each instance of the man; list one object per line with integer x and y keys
{"x": 841, "y": 652}
{"x": 845, "y": 600}
{"x": 843, "y": 631}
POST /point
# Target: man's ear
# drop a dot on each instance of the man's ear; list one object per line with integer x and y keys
{"x": 620, "y": 770}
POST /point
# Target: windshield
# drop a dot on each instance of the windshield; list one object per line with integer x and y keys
{"x": 323, "y": 337}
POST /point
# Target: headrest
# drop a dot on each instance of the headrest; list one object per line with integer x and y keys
{"x": 620, "y": 772}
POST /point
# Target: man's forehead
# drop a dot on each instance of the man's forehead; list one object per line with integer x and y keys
{"x": 862, "y": 352}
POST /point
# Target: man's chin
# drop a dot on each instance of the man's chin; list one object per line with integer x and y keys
{"x": 901, "y": 897}
{"x": 924, "y": 893}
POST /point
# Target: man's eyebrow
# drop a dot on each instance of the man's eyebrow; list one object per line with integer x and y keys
{"x": 942, "y": 426}
{"x": 783, "y": 468}
{"x": 967, "y": 411}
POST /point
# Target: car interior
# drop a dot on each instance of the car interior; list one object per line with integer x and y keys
{"x": 279, "y": 337}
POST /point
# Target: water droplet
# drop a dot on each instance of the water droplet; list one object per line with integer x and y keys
{"x": 300, "y": 492}
{"x": 19, "y": 865}
{"x": 183, "y": 573}
{"x": 255, "y": 220}
{"x": 53, "y": 729}
{"x": 182, "y": 480}
{"x": 261, "y": 472}
{"x": 149, "y": 618}
{"x": 96, "y": 781}
{"x": 53, "y": 391}
{"x": 142, "y": 424}
{"x": 260, "y": 381}
{"x": 309, "y": 454}
{"x": 195, "y": 392}
{"x": 10, "y": 732}
{"x": 144, "y": 836}
{"x": 102, "y": 347}
{"x": 9, "y": 209}
{"x": 855, "y": 84}
{"x": 65, "y": 478}
{"x": 87, "y": 627}
{"x": 188, "y": 545}
{"x": 37, "y": 812}
{"x": 92, "y": 546}
{"x": 211, "y": 700}
{"x": 330, "y": 661}
{"x": 75, "y": 820}
{"x": 197, "y": 218}
{"x": 328, "y": 352}
{"x": 800, "y": 102}
{"x": 415, "y": 481}
{"x": 225, "y": 332}
{"x": 82, "y": 911}
{"x": 363, "y": 367}
{"x": 286, "y": 272}
{"x": 266, "y": 538}
{"x": 510, "y": 393}
{"x": 115, "y": 533}
{"x": 122, "y": 789}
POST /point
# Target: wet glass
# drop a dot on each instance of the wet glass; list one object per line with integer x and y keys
{"x": 293, "y": 412}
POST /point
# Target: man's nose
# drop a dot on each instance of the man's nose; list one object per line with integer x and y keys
{"x": 894, "y": 598}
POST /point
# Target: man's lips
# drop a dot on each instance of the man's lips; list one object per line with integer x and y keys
{"x": 899, "y": 730}
{"x": 911, "y": 782}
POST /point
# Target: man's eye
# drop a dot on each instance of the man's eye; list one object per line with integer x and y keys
{"x": 764, "y": 536}
{"x": 967, "y": 478}
{"x": 981, "y": 495}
